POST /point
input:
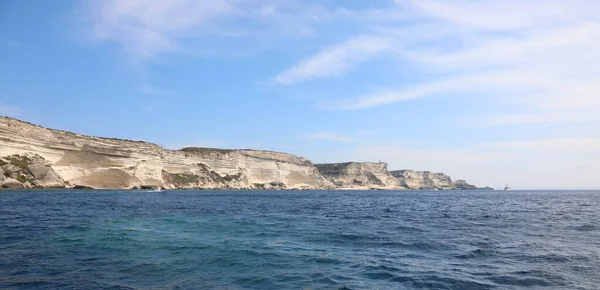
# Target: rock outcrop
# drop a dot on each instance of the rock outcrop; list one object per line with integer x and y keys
{"x": 463, "y": 185}
{"x": 39, "y": 157}
{"x": 28, "y": 171}
{"x": 359, "y": 175}
{"x": 425, "y": 180}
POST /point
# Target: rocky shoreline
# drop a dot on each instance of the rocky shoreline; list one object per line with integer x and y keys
{"x": 32, "y": 157}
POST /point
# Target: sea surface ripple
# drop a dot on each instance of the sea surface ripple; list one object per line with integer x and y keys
{"x": 299, "y": 240}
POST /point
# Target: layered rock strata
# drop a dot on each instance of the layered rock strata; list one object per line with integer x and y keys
{"x": 425, "y": 180}
{"x": 54, "y": 158}
{"x": 359, "y": 175}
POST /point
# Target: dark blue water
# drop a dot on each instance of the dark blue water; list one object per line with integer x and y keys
{"x": 299, "y": 240}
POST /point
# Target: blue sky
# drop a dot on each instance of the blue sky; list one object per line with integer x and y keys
{"x": 493, "y": 92}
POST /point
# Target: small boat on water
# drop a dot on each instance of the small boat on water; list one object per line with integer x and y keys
{"x": 507, "y": 188}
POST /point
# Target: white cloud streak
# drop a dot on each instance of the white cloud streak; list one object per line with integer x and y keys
{"x": 543, "y": 57}
{"x": 505, "y": 81}
{"x": 335, "y": 60}
{"x": 146, "y": 28}
{"x": 490, "y": 15}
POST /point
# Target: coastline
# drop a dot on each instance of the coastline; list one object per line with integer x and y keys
{"x": 32, "y": 156}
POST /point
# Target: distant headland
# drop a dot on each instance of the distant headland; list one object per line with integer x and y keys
{"x": 32, "y": 156}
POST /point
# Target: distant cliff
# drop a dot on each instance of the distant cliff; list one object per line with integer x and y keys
{"x": 359, "y": 175}
{"x": 426, "y": 180}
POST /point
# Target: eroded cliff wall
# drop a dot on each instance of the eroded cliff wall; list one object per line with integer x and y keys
{"x": 359, "y": 175}
{"x": 86, "y": 161}
{"x": 425, "y": 180}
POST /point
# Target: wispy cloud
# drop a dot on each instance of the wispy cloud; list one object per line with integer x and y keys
{"x": 501, "y": 81}
{"x": 541, "y": 56}
{"x": 335, "y": 60}
{"x": 328, "y": 136}
{"x": 486, "y": 14}
{"x": 146, "y": 28}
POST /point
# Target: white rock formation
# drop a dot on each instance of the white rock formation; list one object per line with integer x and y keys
{"x": 359, "y": 175}
{"x": 426, "y": 180}
{"x": 98, "y": 162}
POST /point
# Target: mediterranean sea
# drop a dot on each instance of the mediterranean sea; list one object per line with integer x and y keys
{"x": 57, "y": 239}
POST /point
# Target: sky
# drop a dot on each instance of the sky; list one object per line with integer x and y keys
{"x": 493, "y": 92}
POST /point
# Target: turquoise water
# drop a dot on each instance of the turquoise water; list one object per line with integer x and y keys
{"x": 299, "y": 240}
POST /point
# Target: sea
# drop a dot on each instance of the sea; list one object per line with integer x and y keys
{"x": 78, "y": 239}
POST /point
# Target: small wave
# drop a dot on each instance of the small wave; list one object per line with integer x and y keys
{"x": 517, "y": 281}
{"x": 586, "y": 228}
{"x": 26, "y": 283}
{"x": 77, "y": 228}
{"x": 404, "y": 279}
{"x": 437, "y": 282}
{"x": 407, "y": 228}
{"x": 180, "y": 248}
{"x": 134, "y": 229}
{"x": 146, "y": 268}
{"x": 68, "y": 239}
{"x": 380, "y": 275}
{"x": 423, "y": 246}
{"x": 475, "y": 254}
{"x": 555, "y": 258}
{"x": 327, "y": 260}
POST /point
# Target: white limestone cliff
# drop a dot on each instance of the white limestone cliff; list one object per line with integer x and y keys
{"x": 104, "y": 163}
{"x": 36, "y": 157}
{"x": 425, "y": 180}
{"x": 359, "y": 175}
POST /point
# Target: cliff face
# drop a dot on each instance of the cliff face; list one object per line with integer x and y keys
{"x": 423, "y": 179}
{"x": 57, "y": 158}
{"x": 35, "y": 157}
{"x": 28, "y": 171}
{"x": 426, "y": 180}
{"x": 359, "y": 175}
